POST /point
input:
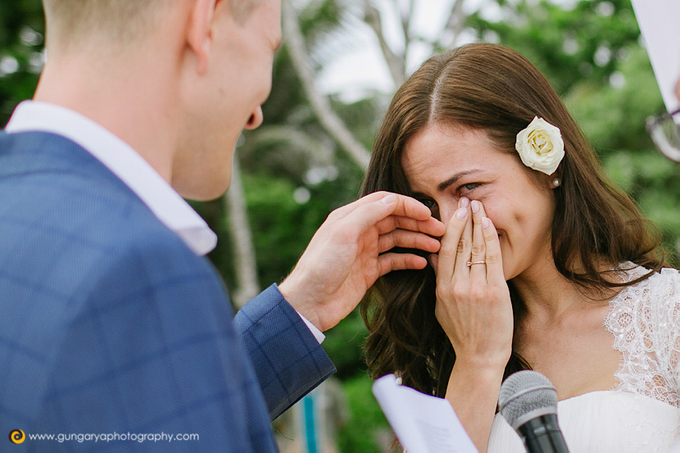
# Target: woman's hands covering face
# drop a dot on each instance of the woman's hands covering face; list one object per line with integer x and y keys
{"x": 473, "y": 301}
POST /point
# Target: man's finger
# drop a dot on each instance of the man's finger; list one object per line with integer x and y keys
{"x": 402, "y": 205}
{"x": 408, "y": 240}
{"x": 389, "y": 262}
{"x": 412, "y": 208}
{"x": 431, "y": 226}
{"x": 368, "y": 215}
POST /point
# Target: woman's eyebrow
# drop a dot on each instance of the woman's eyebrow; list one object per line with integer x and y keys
{"x": 452, "y": 180}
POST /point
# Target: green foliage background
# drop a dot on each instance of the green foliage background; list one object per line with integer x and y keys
{"x": 591, "y": 53}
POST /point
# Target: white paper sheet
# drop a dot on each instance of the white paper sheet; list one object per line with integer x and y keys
{"x": 659, "y": 22}
{"x": 423, "y": 423}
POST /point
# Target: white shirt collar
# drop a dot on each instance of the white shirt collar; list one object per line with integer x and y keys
{"x": 124, "y": 162}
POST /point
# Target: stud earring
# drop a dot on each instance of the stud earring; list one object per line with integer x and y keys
{"x": 556, "y": 182}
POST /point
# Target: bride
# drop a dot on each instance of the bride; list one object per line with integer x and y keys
{"x": 545, "y": 265}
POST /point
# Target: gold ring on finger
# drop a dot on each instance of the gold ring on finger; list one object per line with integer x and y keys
{"x": 471, "y": 263}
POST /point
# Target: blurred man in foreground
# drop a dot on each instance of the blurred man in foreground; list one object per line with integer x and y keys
{"x": 112, "y": 320}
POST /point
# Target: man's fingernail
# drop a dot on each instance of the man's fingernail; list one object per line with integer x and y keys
{"x": 486, "y": 223}
{"x": 475, "y": 206}
{"x": 461, "y": 213}
{"x": 389, "y": 199}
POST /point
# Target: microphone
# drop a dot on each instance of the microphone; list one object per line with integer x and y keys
{"x": 528, "y": 402}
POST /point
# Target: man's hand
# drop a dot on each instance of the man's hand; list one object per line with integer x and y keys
{"x": 347, "y": 254}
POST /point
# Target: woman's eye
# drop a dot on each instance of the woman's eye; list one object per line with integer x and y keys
{"x": 429, "y": 203}
{"x": 433, "y": 207}
{"x": 470, "y": 186}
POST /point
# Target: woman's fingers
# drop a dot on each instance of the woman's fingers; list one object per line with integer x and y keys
{"x": 450, "y": 243}
{"x": 470, "y": 237}
{"x": 478, "y": 249}
{"x": 461, "y": 271}
{"x": 434, "y": 262}
{"x": 473, "y": 303}
{"x": 494, "y": 259}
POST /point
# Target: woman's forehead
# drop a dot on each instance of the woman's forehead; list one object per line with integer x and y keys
{"x": 440, "y": 148}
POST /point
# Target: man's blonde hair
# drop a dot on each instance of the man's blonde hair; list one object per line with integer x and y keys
{"x": 122, "y": 21}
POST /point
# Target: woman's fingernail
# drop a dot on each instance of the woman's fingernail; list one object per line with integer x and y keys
{"x": 461, "y": 213}
{"x": 389, "y": 199}
{"x": 486, "y": 223}
{"x": 464, "y": 203}
{"x": 475, "y": 206}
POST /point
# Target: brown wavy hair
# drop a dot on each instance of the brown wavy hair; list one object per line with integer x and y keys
{"x": 494, "y": 89}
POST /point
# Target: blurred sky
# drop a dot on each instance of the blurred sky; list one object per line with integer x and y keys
{"x": 361, "y": 68}
{"x": 358, "y": 67}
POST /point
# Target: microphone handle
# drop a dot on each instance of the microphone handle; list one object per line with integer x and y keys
{"x": 542, "y": 435}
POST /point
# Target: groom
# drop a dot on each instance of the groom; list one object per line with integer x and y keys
{"x": 111, "y": 320}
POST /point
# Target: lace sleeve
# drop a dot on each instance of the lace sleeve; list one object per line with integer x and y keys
{"x": 666, "y": 308}
{"x": 645, "y": 322}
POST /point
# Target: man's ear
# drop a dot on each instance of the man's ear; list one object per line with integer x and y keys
{"x": 199, "y": 33}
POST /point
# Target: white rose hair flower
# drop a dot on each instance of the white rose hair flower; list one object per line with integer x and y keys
{"x": 540, "y": 146}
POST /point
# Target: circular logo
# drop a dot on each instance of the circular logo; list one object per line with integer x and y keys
{"x": 17, "y": 436}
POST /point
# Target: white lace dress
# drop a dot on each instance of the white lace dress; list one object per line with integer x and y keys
{"x": 642, "y": 414}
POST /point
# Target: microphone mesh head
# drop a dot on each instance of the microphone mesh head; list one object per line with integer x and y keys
{"x": 526, "y": 395}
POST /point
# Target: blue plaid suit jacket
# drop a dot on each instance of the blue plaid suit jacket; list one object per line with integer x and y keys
{"x": 110, "y": 324}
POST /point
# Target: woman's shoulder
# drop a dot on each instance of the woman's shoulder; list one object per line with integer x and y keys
{"x": 650, "y": 305}
{"x": 664, "y": 297}
{"x": 659, "y": 288}
{"x": 645, "y": 322}
{"x": 667, "y": 279}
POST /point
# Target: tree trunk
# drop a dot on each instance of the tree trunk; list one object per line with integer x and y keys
{"x": 330, "y": 121}
{"x": 245, "y": 264}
